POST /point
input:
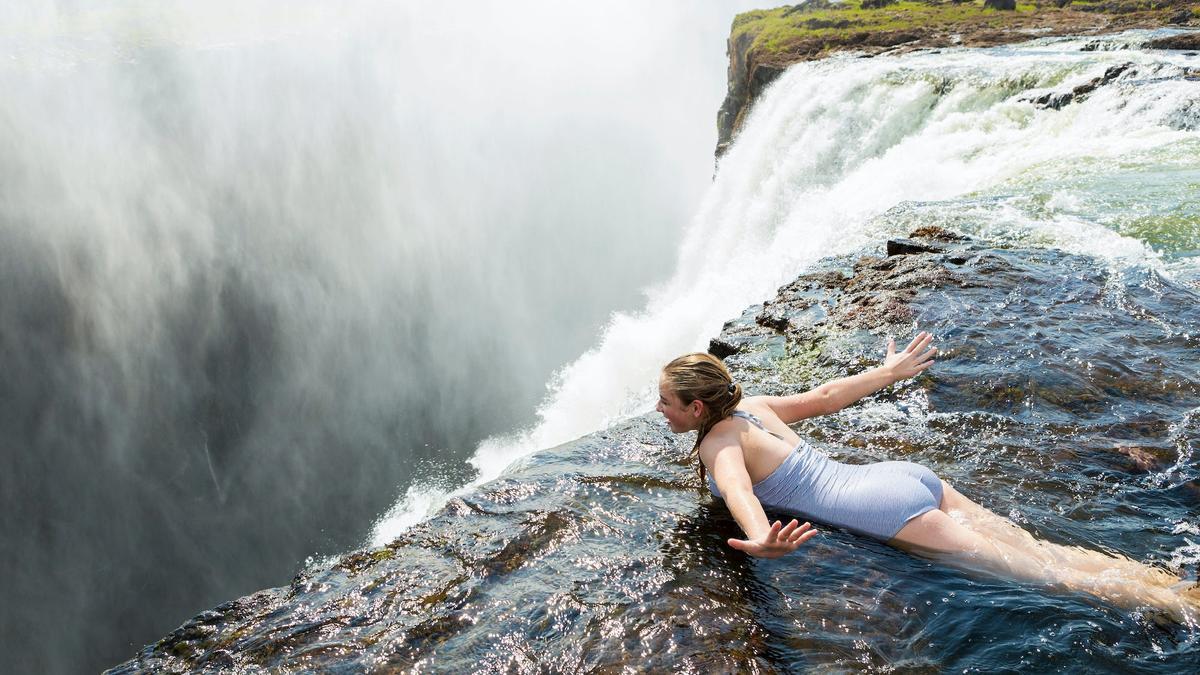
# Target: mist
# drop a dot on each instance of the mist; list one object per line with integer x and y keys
{"x": 265, "y": 265}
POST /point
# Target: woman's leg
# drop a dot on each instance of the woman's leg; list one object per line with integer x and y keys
{"x": 936, "y": 534}
{"x": 987, "y": 523}
{"x": 982, "y": 539}
{"x": 983, "y": 521}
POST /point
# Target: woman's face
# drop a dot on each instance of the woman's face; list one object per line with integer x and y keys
{"x": 680, "y": 417}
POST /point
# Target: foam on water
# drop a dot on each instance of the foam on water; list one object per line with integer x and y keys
{"x": 842, "y": 152}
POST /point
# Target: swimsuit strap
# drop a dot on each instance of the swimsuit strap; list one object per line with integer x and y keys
{"x": 751, "y": 418}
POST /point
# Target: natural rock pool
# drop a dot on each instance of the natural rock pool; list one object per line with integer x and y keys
{"x": 1066, "y": 397}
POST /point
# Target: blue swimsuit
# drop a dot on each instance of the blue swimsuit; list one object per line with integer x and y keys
{"x": 872, "y": 499}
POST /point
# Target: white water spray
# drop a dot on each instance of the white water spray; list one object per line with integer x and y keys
{"x": 260, "y": 261}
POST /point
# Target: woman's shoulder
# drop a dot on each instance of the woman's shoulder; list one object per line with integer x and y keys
{"x": 725, "y": 432}
{"x": 724, "y": 427}
{"x": 749, "y": 412}
{"x": 757, "y": 406}
{"x": 763, "y": 416}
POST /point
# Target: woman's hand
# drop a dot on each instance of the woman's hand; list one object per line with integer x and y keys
{"x": 917, "y": 356}
{"x": 779, "y": 541}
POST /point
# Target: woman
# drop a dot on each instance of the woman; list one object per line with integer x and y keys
{"x": 750, "y": 457}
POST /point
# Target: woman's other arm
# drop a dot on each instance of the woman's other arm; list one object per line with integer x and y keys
{"x": 837, "y": 394}
{"x": 763, "y": 538}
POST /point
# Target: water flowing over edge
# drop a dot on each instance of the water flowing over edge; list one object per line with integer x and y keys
{"x": 842, "y": 152}
{"x": 252, "y": 259}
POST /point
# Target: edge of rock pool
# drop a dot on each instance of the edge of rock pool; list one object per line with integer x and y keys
{"x": 555, "y": 561}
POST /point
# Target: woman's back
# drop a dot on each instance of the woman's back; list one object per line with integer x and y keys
{"x": 765, "y": 440}
{"x": 763, "y": 450}
{"x": 872, "y": 499}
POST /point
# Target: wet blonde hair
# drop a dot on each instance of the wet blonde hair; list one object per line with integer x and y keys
{"x": 702, "y": 377}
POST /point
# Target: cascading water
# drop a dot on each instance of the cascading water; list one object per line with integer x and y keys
{"x": 842, "y": 152}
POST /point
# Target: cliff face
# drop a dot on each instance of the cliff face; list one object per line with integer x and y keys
{"x": 763, "y": 43}
{"x": 747, "y": 79}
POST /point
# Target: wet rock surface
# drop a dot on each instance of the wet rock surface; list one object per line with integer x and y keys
{"x": 1079, "y": 93}
{"x": 1066, "y": 396}
{"x": 1182, "y": 41}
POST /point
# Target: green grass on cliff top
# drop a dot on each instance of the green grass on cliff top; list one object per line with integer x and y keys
{"x": 774, "y": 30}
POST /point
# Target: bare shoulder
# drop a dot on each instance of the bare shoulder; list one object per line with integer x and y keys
{"x": 759, "y": 406}
{"x": 724, "y": 435}
{"x": 764, "y": 408}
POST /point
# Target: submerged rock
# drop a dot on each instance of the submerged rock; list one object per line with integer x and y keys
{"x": 1189, "y": 41}
{"x": 1079, "y": 93}
{"x": 1064, "y": 387}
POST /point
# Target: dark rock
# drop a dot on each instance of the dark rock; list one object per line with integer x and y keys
{"x": 1182, "y": 41}
{"x": 720, "y": 348}
{"x": 815, "y": 280}
{"x": 1007, "y": 5}
{"x": 1056, "y": 100}
{"x": 936, "y": 233}
{"x": 1181, "y": 17}
{"x": 762, "y": 76}
{"x": 1103, "y": 45}
{"x": 1114, "y": 72}
{"x": 209, "y": 616}
{"x": 810, "y": 6}
{"x": 220, "y": 658}
{"x": 820, "y": 24}
{"x": 868, "y": 310}
{"x": 772, "y": 320}
{"x": 901, "y": 273}
{"x": 798, "y": 7}
{"x": 908, "y": 246}
{"x": 743, "y": 90}
{"x": 1186, "y": 118}
{"x": 891, "y": 38}
{"x": 877, "y": 4}
{"x": 1141, "y": 459}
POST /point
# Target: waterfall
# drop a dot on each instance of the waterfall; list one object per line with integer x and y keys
{"x": 841, "y": 153}
{"x": 264, "y": 265}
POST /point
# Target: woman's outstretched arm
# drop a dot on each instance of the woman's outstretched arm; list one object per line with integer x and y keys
{"x": 837, "y": 394}
{"x": 763, "y": 538}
